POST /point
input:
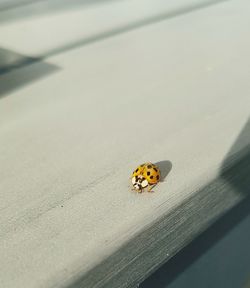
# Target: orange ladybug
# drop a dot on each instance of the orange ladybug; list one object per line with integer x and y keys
{"x": 145, "y": 175}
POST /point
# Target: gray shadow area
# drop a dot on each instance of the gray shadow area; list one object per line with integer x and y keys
{"x": 10, "y": 60}
{"x": 16, "y": 10}
{"x": 181, "y": 270}
{"x": 12, "y": 4}
{"x": 242, "y": 144}
{"x": 185, "y": 234}
{"x": 17, "y": 71}
{"x": 165, "y": 168}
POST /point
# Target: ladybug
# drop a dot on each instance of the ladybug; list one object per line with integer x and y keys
{"x": 145, "y": 175}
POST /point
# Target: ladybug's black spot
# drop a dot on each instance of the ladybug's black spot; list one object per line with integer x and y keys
{"x": 151, "y": 177}
{"x": 149, "y": 166}
{"x": 148, "y": 173}
{"x": 157, "y": 177}
{"x": 155, "y": 169}
{"x": 137, "y": 170}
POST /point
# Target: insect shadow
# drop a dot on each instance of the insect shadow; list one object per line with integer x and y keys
{"x": 165, "y": 168}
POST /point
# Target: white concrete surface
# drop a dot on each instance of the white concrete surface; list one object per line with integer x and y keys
{"x": 176, "y": 90}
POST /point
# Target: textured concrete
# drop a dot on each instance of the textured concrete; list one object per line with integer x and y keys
{"x": 173, "y": 91}
{"x": 220, "y": 257}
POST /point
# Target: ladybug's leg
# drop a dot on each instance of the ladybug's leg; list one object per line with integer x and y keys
{"x": 150, "y": 187}
{"x": 133, "y": 188}
{"x": 140, "y": 189}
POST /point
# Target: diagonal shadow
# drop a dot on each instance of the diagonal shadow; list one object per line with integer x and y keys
{"x": 130, "y": 26}
{"x": 8, "y": 5}
{"x": 134, "y": 25}
{"x": 235, "y": 173}
{"x": 11, "y": 62}
{"x": 14, "y": 10}
{"x": 17, "y": 70}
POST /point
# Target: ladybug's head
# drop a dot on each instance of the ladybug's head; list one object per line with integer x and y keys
{"x": 139, "y": 182}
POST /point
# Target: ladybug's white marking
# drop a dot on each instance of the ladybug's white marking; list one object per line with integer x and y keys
{"x": 144, "y": 183}
{"x": 139, "y": 182}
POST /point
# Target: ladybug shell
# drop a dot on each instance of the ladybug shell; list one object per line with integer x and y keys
{"x": 151, "y": 172}
{"x": 139, "y": 170}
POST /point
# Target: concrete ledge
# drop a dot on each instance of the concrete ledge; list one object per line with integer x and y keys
{"x": 164, "y": 238}
{"x": 73, "y": 127}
